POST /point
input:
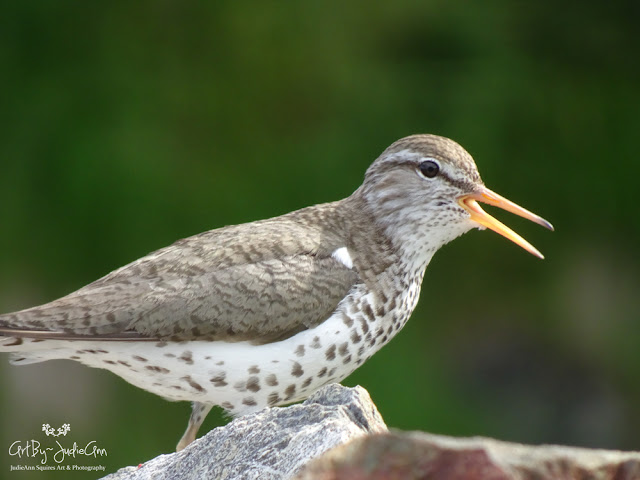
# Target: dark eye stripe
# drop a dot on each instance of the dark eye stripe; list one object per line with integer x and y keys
{"x": 461, "y": 184}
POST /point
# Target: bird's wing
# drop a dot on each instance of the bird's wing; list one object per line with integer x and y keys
{"x": 260, "y": 283}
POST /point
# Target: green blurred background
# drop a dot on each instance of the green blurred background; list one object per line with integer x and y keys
{"x": 128, "y": 125}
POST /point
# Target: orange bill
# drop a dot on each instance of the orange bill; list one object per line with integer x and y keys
{"x": 478, "y": 215}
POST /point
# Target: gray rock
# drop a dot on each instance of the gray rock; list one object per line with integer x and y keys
{"x": 418, "y": 455}
{"x": 339, "y": 434}
{"x": 273, "y": 443}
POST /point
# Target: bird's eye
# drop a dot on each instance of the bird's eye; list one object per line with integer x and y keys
{"x": 429, "y": 168}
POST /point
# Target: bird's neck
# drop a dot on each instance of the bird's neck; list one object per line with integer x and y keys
{"x": 383, "y": 251}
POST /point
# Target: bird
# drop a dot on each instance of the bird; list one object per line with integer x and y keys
{"x": 265, "y": 313}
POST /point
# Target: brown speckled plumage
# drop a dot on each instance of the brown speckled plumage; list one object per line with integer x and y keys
{"x": 264, "y": 313}
{"x": 259, "y": 282}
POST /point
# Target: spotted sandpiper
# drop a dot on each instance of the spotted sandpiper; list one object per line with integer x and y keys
{"x": 265, "y": 313}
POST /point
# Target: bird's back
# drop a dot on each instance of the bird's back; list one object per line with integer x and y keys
{"x": 257, "y": 281}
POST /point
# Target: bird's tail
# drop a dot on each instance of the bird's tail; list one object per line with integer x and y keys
{"x": 24, "y": 351}
{"x": 26, "y": 346}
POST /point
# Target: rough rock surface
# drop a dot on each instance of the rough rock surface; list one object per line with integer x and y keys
{"x": 273, "y": 443}
{"x": 328, "y": 438}
{"x": 419, "y": 455}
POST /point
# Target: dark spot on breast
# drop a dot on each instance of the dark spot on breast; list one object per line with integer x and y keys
{"x": 156, "y": 369}
{"x": 307, "y": 382}
{"x": 348, "y": 321}
{"x": 16, "y": 341}
{"x": 253, "y": 384}
{"x": 273, "y": 399}
{"x": 290, "y": 391}
{"x": 344, "y": 349}
{"x": 364, "y": 325}
{"x": 330, "y": 354}
{"x": 271, "y": 380}
{"x": 322, "y": 372}
{"x": 219, "y": 380}
{"x": 366, "y": 309}
{"x": 355, "y": 337}
{"x": 221, "y": 362}
{"x": 227, "y": 405}
{"x": 316, "y": 343}
{"x": 74, "y": 357}
{"x": 380, "y": 311}
{"x": 249, "y": 401}
{"x": 299, "y": 351}
{"x": 297, "y": 371}
{"x": 139, "y": 358}
{"x": 186, "y": 357}
{"x": 111, "y": 362}
{"x": 169, "y": 355}
{"x": 392, "y": 305}
{"x": 194, "y": 385}
{"x": 254, "y": 369}
{"x": 346, "y": 359}
{"x": 162, "y": 344}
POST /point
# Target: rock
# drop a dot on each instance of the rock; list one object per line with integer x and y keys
{"x": 339, "y": 434}
{"x": 419, "y": 455}
{"x": 273, "y": 443}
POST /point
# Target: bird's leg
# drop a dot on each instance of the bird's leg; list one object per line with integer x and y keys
{"x": 198, "y": 414}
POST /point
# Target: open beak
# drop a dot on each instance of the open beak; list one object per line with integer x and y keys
{"x": 478, "y": 215}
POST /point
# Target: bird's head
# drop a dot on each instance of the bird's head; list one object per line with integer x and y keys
{"x": 425, "y": 189}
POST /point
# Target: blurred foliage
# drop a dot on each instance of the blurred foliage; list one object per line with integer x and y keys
{"x": 128, "y": 125}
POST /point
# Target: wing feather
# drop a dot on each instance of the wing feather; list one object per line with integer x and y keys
{"x": 256, "y": 282}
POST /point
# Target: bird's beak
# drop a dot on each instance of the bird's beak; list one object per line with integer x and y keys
{"x": 478, "y": 215}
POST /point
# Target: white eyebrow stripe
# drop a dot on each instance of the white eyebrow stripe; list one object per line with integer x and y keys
{"x": 342, "y": 255}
